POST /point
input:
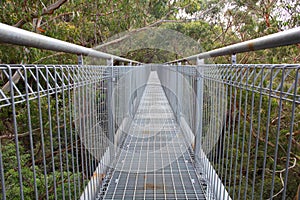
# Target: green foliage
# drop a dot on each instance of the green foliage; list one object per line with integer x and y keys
{"x": 89, "y": 23}
{"x": 259, "y": 111}
{"x": 51, "y": 139}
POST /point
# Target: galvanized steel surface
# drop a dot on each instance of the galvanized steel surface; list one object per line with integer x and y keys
{"x": 17, "y": 36}
{"x": 155, "y": 161}
{"x": 279, "y": 39}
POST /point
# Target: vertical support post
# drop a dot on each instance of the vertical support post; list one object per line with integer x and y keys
{"x": 179, "y": 92}
{"x": 110, "y": 104}
{"x": 80, "y": 59}
{"x": 110, "y": 62}
{"x": 199, "y": 109}
{"x": 233, "y": 59}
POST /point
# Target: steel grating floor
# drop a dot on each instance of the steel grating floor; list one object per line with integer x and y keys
{"x": 155, "y": 161}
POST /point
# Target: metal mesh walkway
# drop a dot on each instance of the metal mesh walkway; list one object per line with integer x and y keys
{"x": 155, "y": 161}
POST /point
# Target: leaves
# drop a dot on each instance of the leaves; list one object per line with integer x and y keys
{"x": 210, "y": 24}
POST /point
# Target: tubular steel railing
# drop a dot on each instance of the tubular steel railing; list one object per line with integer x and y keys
{"x": 17, "y": 36}
{"x": 284, "y": 38}
{"x": 243, "y": 122}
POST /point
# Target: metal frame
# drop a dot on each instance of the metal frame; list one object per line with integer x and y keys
{"x": 147, "y": 167}
{"x": 64, "y": 106}
{"x": 17, "y": 36}
{"x": 239, "y": 104}
{"x": 64, "y": 102}
{"x": 284, "y": 38}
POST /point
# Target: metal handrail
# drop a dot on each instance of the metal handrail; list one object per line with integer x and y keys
{"x": 284, "y": 38}
{"x": 17, "y": 36}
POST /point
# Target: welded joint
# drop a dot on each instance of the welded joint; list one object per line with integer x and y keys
{"x": 110, "y": 62}
{"x": 199, "y": 61}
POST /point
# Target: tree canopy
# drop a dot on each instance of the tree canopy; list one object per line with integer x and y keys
{"x": 211, "y": 23}
{"x": 150, "y": 31}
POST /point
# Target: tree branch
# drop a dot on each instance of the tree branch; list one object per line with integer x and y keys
{"x": 15, "y": 79}
{"x": 58, "y": 16}
{"x": 20, "y": 23}
{"x": 139, "y": 30}
{"x": 50, "y": 56}
{"x": 49, "y": 155}
{"x": 51, "y": 8}
{"x": 281, "y": 178}
{"x": 25, "y": 134}
{"x": 46, "y": 11}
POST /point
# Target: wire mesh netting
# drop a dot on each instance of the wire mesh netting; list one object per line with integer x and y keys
{"x": 207, "y": 131}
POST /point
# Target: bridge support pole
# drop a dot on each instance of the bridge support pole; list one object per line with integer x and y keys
{"x": 199, "y": 110}
{"x": 179, "y": 92}
{"x": 110, "y": 104}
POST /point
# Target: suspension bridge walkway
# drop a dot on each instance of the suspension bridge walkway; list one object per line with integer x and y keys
{"x": 155, "y": 161}
{"x": 177, "y": 130}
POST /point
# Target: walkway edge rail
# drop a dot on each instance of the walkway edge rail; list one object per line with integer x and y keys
{"x": 283, "y": 38}
{"x": 17, "y": 36}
